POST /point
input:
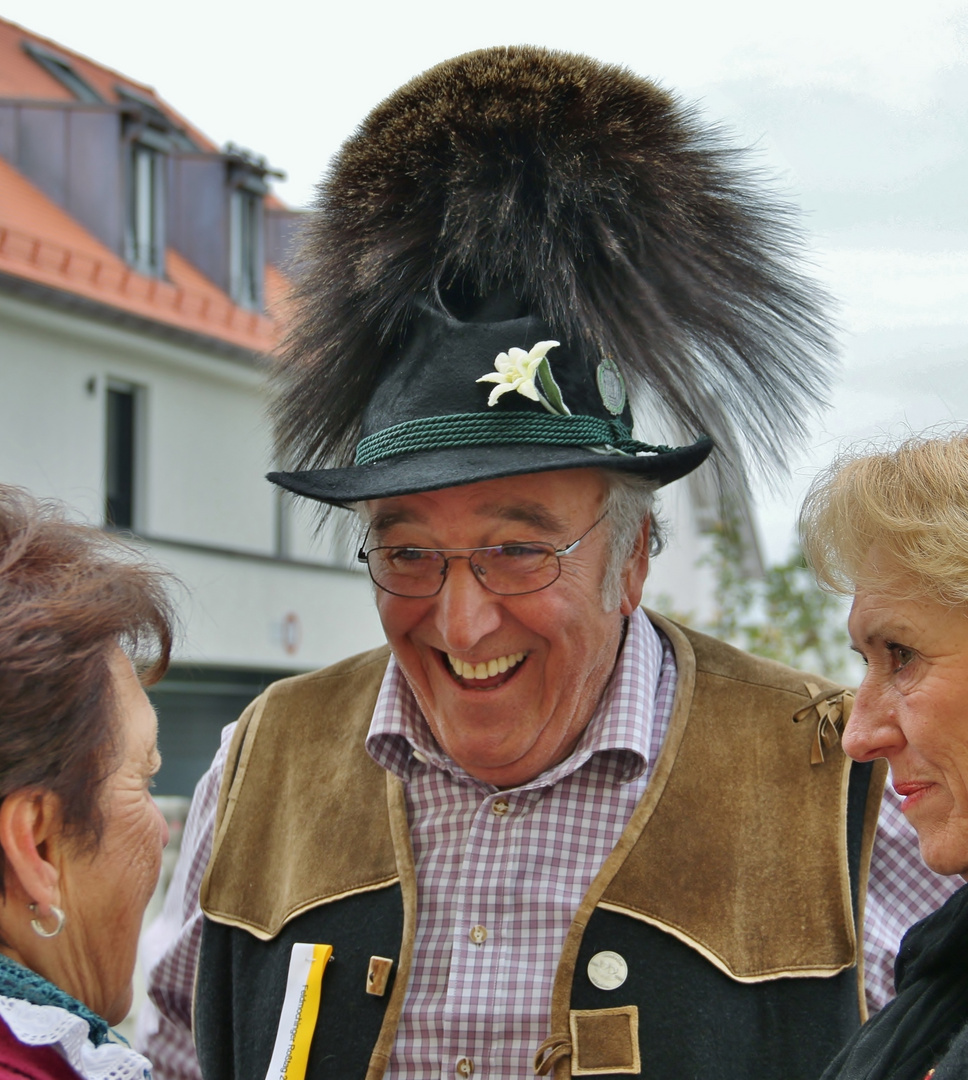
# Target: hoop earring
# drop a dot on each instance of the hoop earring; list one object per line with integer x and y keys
{"x": 37, "y": 926}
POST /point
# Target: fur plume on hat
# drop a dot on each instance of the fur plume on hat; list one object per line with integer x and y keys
{"x": 602, "y": 203}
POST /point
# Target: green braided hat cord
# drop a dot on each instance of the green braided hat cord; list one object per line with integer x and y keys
{"x": 484, "y": 429}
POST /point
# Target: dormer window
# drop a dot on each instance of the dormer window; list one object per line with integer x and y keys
{"x": 146, "y": 207}
{"x": 247, "y": 190}
{"x": 246, "y": 262}
{"x": 151, "y": 137}
{"x": 63, "y": 71}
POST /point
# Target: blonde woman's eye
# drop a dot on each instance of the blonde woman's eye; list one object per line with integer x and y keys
{"x": 901, "y": 654}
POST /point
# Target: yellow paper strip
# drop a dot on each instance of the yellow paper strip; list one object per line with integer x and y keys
{"x": 308, "y": 1014}
{"x": 300, "y": 1011}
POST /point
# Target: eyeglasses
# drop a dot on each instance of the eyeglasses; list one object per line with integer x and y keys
{"x": 511, "y": 569}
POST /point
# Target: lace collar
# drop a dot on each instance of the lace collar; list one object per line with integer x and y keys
{"x": 16, "y": 981}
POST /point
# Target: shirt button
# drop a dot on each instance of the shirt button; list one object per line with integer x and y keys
{"x": 501, "y": 807}
{"x": 478, "y": 935}
{"x": 465, "y": 1067}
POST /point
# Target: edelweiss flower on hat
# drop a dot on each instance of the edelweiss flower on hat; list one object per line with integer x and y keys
{"x": 517, "y": 370}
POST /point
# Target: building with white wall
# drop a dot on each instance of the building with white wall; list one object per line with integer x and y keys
{"x": 136, "y": 312}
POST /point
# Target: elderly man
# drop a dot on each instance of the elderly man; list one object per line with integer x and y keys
{"x": 543, "y": 831}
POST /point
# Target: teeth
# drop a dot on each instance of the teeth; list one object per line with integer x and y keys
{"x": 484, "y": 669}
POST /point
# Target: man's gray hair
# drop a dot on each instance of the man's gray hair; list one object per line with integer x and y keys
{"x": 629, "y": 503}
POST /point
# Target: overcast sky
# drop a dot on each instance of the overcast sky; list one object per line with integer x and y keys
{"x": 858, "y": 106}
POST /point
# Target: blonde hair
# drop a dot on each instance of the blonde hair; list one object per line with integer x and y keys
{"x": 908, "y": 506}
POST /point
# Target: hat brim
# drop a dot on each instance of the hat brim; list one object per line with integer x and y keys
{"x": 431, "y": 470}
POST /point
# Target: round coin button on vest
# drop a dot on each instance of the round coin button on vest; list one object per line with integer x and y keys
{"x": 607, "y": 970}
{"x": 465, "y": 1067}
{"x": 478, "y": 934}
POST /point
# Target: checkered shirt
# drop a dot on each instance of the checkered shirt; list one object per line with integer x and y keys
{"x": 517, "y": 873}
{"x": 511, "y": 864}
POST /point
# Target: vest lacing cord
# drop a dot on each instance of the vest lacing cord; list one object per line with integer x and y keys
{"x": 550, "y": 1052}
{"x": 832, "y": 711}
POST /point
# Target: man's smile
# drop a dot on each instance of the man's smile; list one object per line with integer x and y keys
{"x": 484, "y": 669}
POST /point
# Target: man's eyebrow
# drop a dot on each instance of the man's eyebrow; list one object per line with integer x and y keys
{"x": 525, "y": 514}
{"x": 386, "y": 519}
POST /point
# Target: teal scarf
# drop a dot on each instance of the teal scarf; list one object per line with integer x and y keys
{"x": 17, "y": 981}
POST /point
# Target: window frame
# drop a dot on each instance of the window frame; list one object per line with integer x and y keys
{"x": 246, "y": 246}
{"x": 126, "y": 460}
{"x": 145, "y": 217}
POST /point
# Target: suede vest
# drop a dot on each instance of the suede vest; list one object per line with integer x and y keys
{"x": 733, "y": 895}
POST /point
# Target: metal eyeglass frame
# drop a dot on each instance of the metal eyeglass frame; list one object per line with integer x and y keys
{"x": 363, "y": 556}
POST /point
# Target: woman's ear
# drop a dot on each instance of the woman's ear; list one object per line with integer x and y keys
{"x": 30, "y": 825}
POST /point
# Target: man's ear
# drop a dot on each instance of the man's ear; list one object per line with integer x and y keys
{"x": 635, "y": 572}
{"x": 30, "y": 827}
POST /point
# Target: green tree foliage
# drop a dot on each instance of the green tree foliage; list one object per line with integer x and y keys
{"x": 784, "y": 616}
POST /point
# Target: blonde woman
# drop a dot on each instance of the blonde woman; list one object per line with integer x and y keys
{"x": 892, "y": 529}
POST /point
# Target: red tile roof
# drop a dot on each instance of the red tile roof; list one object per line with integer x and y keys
{"x": 22, "y": 77}
{"x": 41, "y": 243}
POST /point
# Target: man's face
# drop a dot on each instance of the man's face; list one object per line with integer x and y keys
{"x": 510, "y": 726}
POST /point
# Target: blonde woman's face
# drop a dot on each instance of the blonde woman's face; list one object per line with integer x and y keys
{"x": 912, "y": 708}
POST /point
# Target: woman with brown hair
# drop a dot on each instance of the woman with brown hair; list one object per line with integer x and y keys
{"x": 84, "y": 624}
{"x": 891, "y": 528}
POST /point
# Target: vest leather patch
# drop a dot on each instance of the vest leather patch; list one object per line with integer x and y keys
{"x": 326, "y": 804}
{"x": 605, "y": 1041}
{"x": 740, "y": 774}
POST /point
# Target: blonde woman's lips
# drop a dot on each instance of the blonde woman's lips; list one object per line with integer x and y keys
{"x": 911, "y": 792}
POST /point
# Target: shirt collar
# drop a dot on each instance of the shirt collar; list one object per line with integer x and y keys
{"x": 399, "y": 736}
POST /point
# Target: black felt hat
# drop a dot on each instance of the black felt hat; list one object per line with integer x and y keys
{"x": 509, "y": 245}
{"x": 445, "y": 414}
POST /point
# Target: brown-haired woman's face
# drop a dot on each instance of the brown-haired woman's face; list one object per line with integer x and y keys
{"x": 105, "y": 893}
{"x": 912, "y": 708}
